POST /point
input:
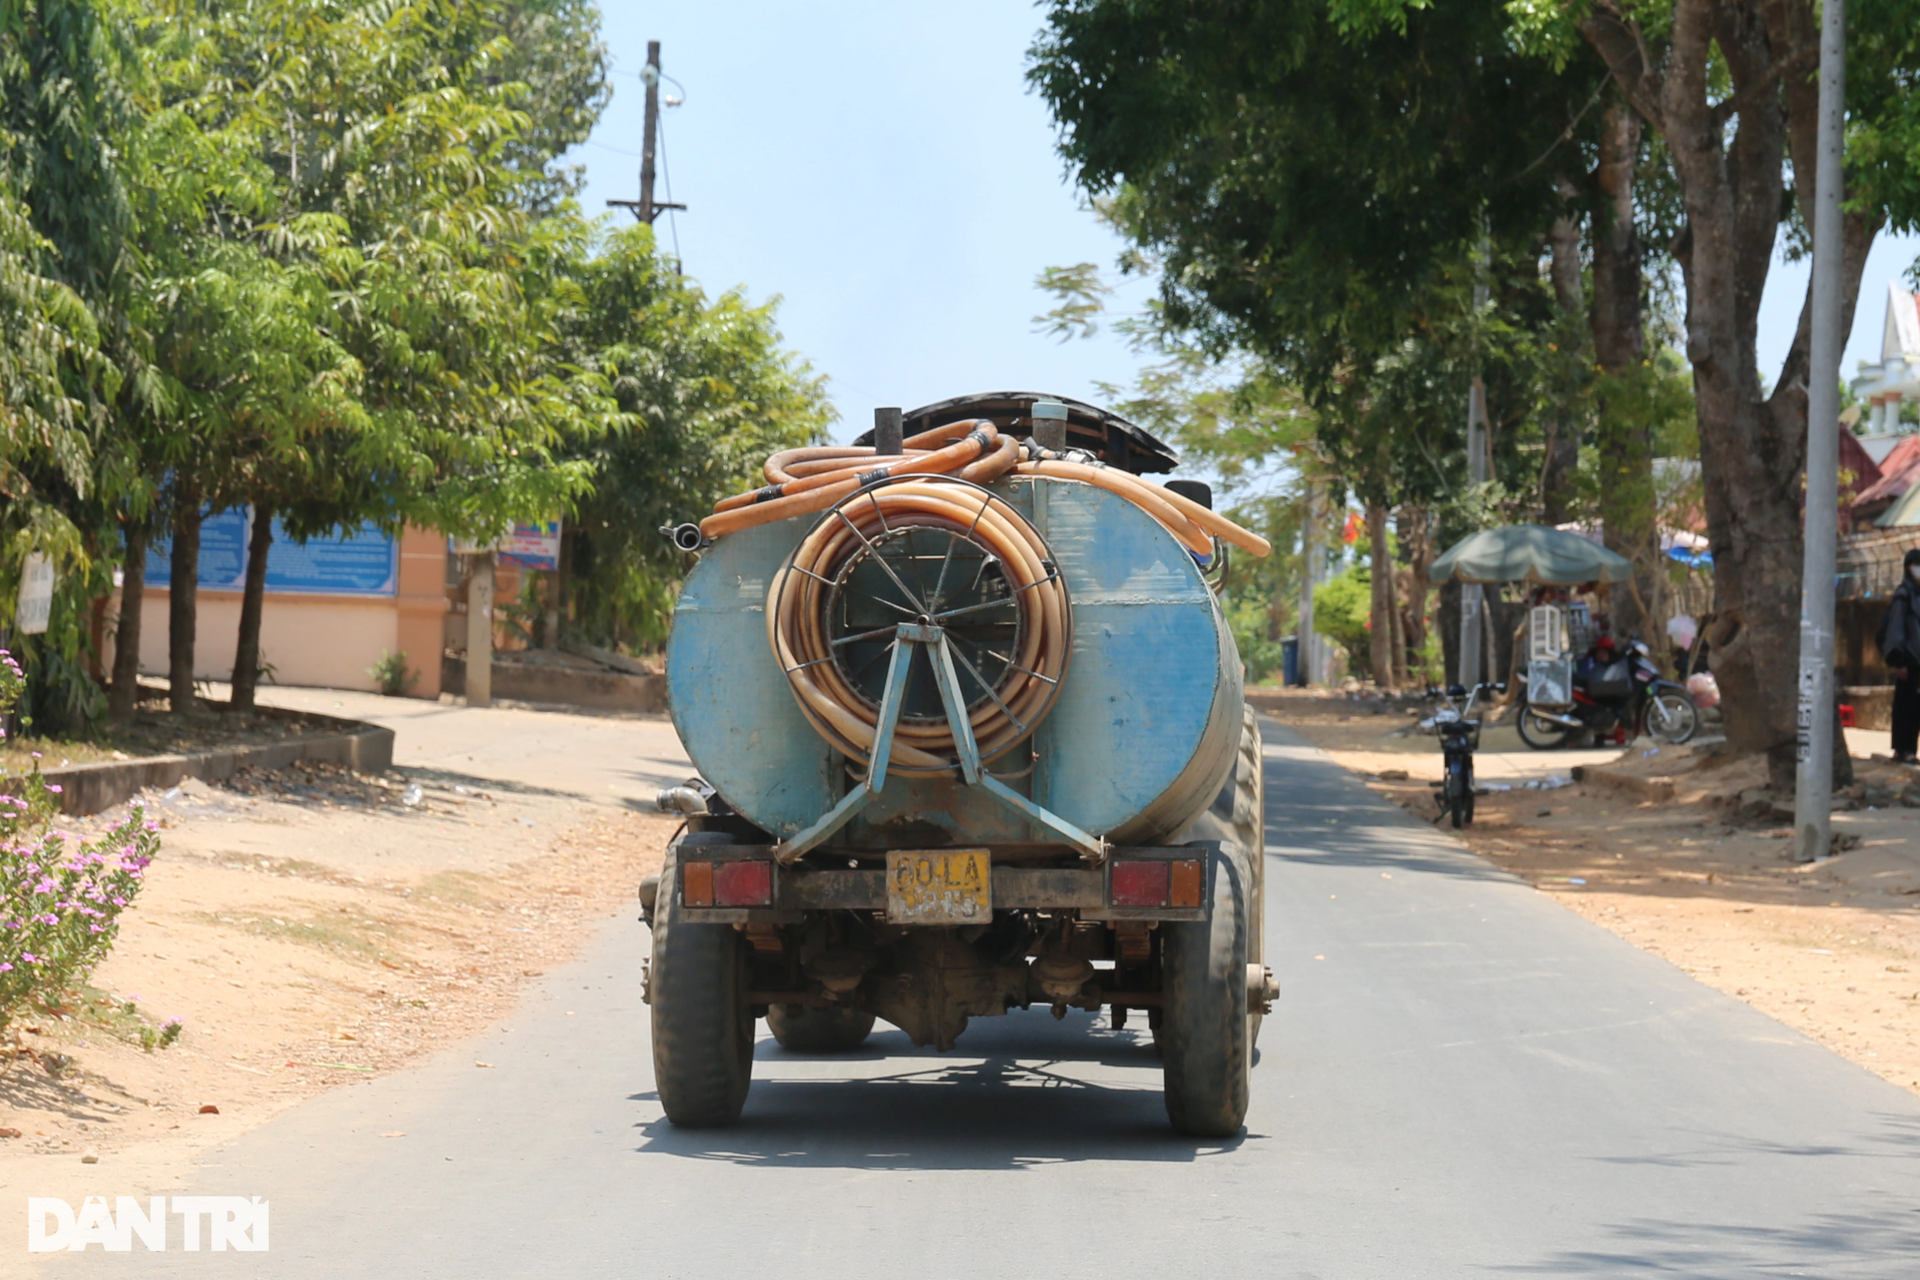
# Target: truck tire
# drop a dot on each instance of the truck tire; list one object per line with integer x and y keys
{"x": 1206, "y": 1042}
{"x": 804, "y": 1029}
{"x": 702, "y": 1024}
{"x": 1238, "y": 814}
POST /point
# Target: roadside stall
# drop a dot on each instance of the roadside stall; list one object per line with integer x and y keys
{"x": 1577, "y": 680}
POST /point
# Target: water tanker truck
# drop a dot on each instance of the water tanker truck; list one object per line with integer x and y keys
{"x": 971, "y": 737}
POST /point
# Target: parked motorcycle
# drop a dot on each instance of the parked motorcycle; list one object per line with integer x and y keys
{"x": 1615, "y": 695}
{"x": 1458, "y": 729}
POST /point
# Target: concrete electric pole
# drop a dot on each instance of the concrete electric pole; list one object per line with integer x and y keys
{"x": 1471, "y": 622}
{"x": 1813, "y": 790}
{"x": 480, "y": 630}
{"x": 1307, "y": 649}
{"x": 646, "y": 208}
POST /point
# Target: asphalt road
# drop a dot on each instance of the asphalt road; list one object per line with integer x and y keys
{"x": 1462, "y": 1078}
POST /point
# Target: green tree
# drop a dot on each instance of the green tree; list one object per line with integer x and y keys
{"x": 1329, "y": 200}
{"x": 1730, "y": 88}
{"x": 1298, "y": 185}
{"x": 703, "y": 392}
{"x": 63, "y": 217}
{"x": 373, "y": 170}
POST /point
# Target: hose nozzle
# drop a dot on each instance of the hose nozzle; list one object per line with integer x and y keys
{"x": 687, "y": 537}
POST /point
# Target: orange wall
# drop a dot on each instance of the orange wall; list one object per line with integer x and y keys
{"x": 325, "y": 641}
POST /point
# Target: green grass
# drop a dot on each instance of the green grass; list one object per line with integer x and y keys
{"x": 122, "y": 1019}
{"x": 347, "y": 933}
{"x": 455, "y": 886}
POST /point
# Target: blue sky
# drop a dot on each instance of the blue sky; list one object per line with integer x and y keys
{"x": 882, "y": 168}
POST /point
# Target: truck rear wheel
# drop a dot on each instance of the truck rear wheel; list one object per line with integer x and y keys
{"x": 702, "y": 1024}
{"x": 1205, "y": 1040}
{"x": 805, "y": 1029}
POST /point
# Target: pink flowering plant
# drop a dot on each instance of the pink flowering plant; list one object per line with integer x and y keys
{"x": 60, "y": 898}
{"x": 12, "y": 680}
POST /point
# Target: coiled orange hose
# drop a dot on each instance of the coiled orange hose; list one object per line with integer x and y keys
{"x": 979, "y": 456}
{"x": 800, "y": 481}
{"x": 1184, "y": 518}
{"x": 801, "y": 606}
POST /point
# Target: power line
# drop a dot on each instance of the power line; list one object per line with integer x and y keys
{"x": 673, "y": 225}
{"x": 619, "y": 151}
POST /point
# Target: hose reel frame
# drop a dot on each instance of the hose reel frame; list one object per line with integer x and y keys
{"x": 857, "y": 531}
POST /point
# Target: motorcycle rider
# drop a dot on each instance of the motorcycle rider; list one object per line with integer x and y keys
{"x": 1901, "y": 648}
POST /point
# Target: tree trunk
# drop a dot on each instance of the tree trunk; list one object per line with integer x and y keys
{"x": 125, "y": 694}
{"x": 1623, "y": 433}
{"x": 1562, "y": 459}
{"x": 1380, "y": 634}
{"x": 1753, "y": 450}
{"x": 1398, "y": 615}
{"x": 183, "y": 597}
{"x": 246, "y": 653}
{"x": 1417, "y": 536}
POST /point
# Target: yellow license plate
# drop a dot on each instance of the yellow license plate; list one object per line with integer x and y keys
{"x": 939, "y": 886}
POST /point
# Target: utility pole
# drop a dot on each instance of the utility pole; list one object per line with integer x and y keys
{"x": 1813, "y": 785}
{"x": 1308, "y": 650}
{"x": 646, "y": 208}
{"x": 1471, "y": 621}
{"x": 480, "y": 630}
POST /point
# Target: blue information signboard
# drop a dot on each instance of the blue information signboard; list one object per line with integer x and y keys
{"x": 365, "y": 562}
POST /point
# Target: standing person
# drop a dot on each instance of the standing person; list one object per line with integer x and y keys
{"x": 1900, "y": 646}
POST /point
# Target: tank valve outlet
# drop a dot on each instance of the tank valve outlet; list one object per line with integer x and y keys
{"x": 687, "y": 537}
{"x": 681, "y": 800}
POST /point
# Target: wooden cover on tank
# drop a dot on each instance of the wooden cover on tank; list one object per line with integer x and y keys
{"x": 1142, "y": 737}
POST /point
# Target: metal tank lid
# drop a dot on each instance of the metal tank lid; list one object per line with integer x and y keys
{"x": 1107, "y": 436}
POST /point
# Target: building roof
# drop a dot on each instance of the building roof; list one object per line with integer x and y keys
{"x": 1898, "y": 470}
{"x": 1903, "y": 513}
{"x": 1857, "y": 462}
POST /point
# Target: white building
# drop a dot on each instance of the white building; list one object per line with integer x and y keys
{"x": 1882, "y": 387}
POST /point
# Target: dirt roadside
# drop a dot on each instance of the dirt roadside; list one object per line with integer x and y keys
{"x": 1831, "y": 949}
{"x": 314, "y": 928}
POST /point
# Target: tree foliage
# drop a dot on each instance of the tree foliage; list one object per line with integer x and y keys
{"x": 1298, "y": 182}
{"x": 322, "y": 258}
{"x": 704, "y": 392}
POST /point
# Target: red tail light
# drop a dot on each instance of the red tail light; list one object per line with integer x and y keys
{"x": 1140, "y": 884}
{"x": 743, "y": 884}
{"x": 1154, "y": 883}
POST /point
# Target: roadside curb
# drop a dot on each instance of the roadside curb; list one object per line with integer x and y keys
{"x": 89, "y": 788}
{"x": 1655, "y": 789}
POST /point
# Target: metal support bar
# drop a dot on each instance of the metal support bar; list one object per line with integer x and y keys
{"x": 1091, "y": 847}
{"x": 907, "y": 637}
{"x": 832, "y": 820}
{"x": 949, "y": 682}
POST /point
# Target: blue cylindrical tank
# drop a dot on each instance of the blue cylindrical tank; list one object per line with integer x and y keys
{"x": 1141, "y": 739}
